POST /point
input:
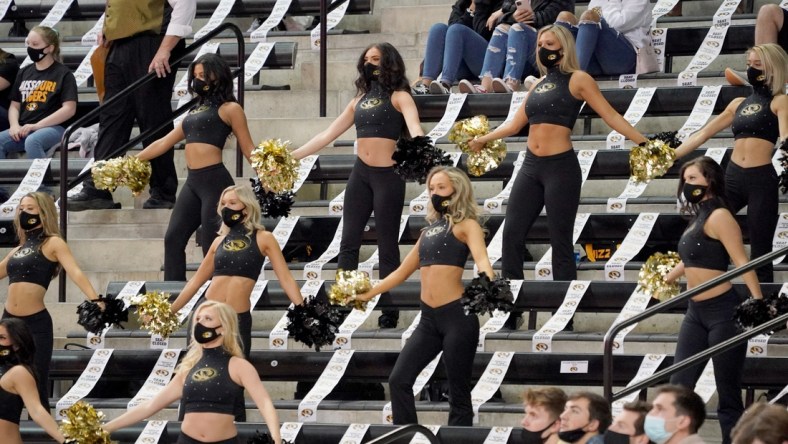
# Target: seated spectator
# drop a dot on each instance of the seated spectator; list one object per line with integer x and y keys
{"x": 504, "y": 69}
{"x": 9, "y": 67}
{"x": 762, "y": 424}
{"x": 585, "y": 418}
{"x": 610, "y": 34}
{"x": 769, "y": 28}
{"x": 542, "y": 410}
{"x": 627, "y": 426}
{"x": 676, "y": 416}
{"x": 44, "y": 96}
{"x": 456, "y": 50}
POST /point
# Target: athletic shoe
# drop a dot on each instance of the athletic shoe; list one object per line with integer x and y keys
{"x": 736, "y": 78}
{"x": 437, "y": 87}
{"x": 529, "y": 82}
{"x": 467, "y": 87}
{"x": 154, "y": 203}
{"x": 88, "y": 201}
{"x": 499, "y": 86}
{"x": 419, "y": 89}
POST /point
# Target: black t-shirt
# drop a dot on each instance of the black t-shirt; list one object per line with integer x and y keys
{"x": 41, "y": 93}
{"x": 8, "y": 70}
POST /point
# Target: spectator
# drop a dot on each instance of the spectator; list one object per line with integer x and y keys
{"x": 456, "y": 50}
{"x": 585, "y": 419}
{"x": 44, "y": 96}
{"x": 9, "y": 67}
{"x": 516, "y": 32}
{"x": 543, "y": 408}
{"x": 610, "y": 34}
{"x": 627, "y": 427}
{"x": 769, "y": 28}
{"x": 676, "y": 415}
{"x": 762, "y": 423}
{"x": 141, "y": 36}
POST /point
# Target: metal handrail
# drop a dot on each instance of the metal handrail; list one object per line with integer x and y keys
{"x": 404, "y": 431}
{"x": 93, "y": 114}
{"x": 607, "y": 358}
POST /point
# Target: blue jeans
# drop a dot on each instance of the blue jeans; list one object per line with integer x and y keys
{"x": 456, "y": 52}
{"x": 601, "y": 50}
{"x": 518, "y": 61}
{"x": 36, "y": 144}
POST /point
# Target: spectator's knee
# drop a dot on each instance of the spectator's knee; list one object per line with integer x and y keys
{"x": 769, "y": 13}
{"x": 590, "y": 16}
{"x": 503, "y": 28}
{"x": 566, "y": 17}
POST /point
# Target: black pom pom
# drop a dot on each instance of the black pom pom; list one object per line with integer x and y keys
{"x": 90, "y": 317}
{"x": 751, "y": 312}
{"x": 416, "y": 157}
{"x": 783, "y": 180}
{"x": 273, "y": 205}
{"x": 263, "y": 438}
{"x": 482, "y": 295}
{"x": 115, "y": 311}
{"x": 313, "y": 323}
{"x": 777, "y": 304}
{"x": 669, "y": 137}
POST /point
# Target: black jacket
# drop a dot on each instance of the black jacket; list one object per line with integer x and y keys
{"x": 545, "y": 11}
{"x": 477, "y": 22}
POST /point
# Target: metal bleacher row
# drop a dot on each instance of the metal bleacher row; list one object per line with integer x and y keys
{"x": 377, "y": 349}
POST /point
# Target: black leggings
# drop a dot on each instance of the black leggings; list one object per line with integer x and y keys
{"x": 195, "y": 206}
{"x": 445, "y": 328}
{"x": 552, "y": 182}
{"x": 708, "y": 323}
{"x": 755, "y": 188}
{"x": 382, "y": 190}
{"x": 40, "y": 325}
{"x": 183, "y": 438}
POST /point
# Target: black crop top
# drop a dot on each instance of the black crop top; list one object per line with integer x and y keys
{"x": 375, "y": 115}
{"x": 438, "y": 246}
{"x": 552, "y": 102}
{"x": 203, "y": 125}
{"x": 10, "y": 404}
{"x": 208, "y": 387}
{"x": 238, "y": 255}
{"x": 696, "y": 249}
{"x": 29, "y": 264}
{"x": 754, "y": 117}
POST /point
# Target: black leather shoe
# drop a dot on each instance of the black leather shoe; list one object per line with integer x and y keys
{"x": 154, "y": 203}
{"x": 84, "y": 201}
{"x": 387, "y": 321}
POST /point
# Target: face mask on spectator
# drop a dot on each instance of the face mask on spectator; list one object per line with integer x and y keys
{"x": 35, "y": 54}
{"x": 571, "y": 435}
{"x": 530, "y": 437}
{"x": 655, "y": 429}
{"x": 200, "y": 87}
{"x": 549, "y": 57}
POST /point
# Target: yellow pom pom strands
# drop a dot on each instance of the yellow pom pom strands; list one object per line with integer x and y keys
{"x": 489, "y": 157}
{"x": 651, "y": 160}
{"x": 651, "y": 279}
{"x": 155, "y": 313}
{"x": 275, "y": 166}
{"x": 348, "y": 285}
{"x": 129, "y": 172}
{"x": 83, "y": 424}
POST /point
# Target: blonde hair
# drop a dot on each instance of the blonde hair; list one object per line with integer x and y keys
{"x": 774, "y": 60}
{"x": 463, "y": 203}
{"x": 51, "y": 37}
{"x": 46, "y": 211}
{"x": 230, "y": 339}
{"x": 253, "y": 213}
{"x": 568, "y": 62}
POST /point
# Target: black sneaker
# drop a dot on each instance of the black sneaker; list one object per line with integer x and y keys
{"x": 155, "y": 203}
{"x": 85, "y": 201}
{"x": 388, "y": 320}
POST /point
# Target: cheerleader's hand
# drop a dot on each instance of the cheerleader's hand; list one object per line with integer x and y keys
{"x": 364, "y": 297}
{"x": 475, "y": 145}
{"x": 782, "y": 145}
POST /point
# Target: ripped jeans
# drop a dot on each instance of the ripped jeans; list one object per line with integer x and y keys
{"x": 518, "y": 60}
{"x": 601, "y": 50}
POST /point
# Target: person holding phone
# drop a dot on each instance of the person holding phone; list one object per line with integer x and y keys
{"x": 510, "y": 57}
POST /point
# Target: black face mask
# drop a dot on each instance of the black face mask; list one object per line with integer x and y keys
{"x": 28, "y": 221}
{"x": 200, "y": 87}
{"x": 571, "y": 435}
{"x": 6, "y": 353}
{"x": 756, "y": 77}
{"x": 549, "y": 57}
{"x": 36, "y": 55}
{"x": 694, "y": 193}
{"x": 232, "y": 217}
{"x": 371, "y": 72}
{"x": 530, "y": 437}
{"x": 440, "y": 203}
{"x": 612, "y": 437}
{"x": 203, "y": 334}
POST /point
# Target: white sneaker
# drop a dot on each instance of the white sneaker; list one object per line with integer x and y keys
{"x": 437, "y": 87}
{"x": 499, "y": 86}
{"x": 529, "y": 82}
{"x": 467, "y": 87}
{"x": 419, "y": 90}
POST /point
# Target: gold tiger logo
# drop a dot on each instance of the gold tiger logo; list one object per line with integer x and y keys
{"x": 204, "y": 374}
{"x": 751, "y": 109}
{"x": 235, "y": 245}
{"x": 371, "y": 103}
{"x": 544, "y": 87}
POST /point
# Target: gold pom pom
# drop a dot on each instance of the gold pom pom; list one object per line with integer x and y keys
{"x": 651, "y": 160}
{"x": 651, "y": 279}
{"x": 348, "y": 285}
{"x": 155, "y": 313}
{"x": 275, "y": 166}
{"x": 490, "y": 156}
{"x": 127, "y": 171}
{"x": 83, "y": 424}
